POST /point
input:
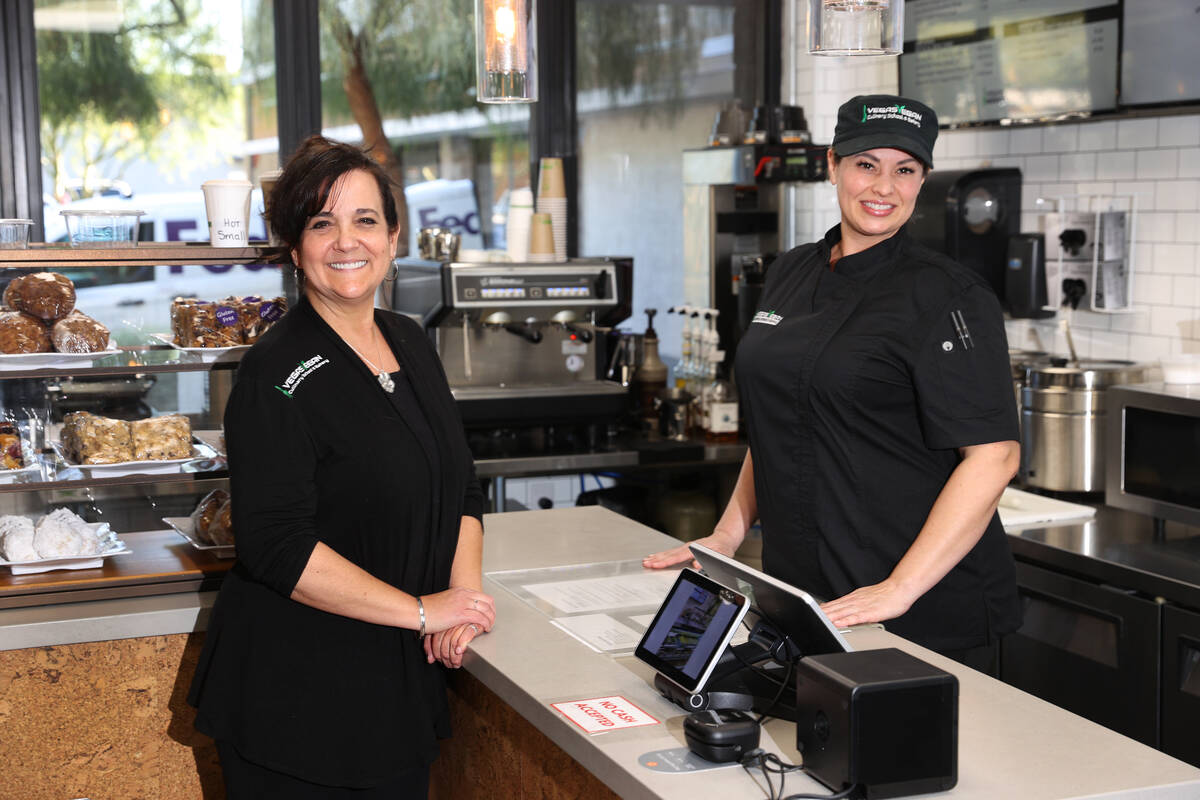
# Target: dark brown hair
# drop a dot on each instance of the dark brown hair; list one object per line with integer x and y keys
{"x": 307, "y": 179}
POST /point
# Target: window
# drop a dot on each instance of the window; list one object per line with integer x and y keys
{"x": 142, "y": 101}
{"x": 408, "y": 70}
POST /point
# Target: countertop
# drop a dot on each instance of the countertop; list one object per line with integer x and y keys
{"x": 1010, "y": 743}
{"x": 1120, "y": 548}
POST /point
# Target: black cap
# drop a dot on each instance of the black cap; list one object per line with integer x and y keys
{"x": 885, "y": 120}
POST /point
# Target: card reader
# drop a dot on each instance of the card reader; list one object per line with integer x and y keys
{"x": 721, "y": 735}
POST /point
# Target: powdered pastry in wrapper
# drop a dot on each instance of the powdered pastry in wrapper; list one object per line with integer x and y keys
{"x": 79, "y": 333}
{"x": 55, "y": 538}
{"x": 89, "y": 544}
{"x": 161, "y": 438}
{"x": 16, "y": 539}
{"x": 90, "y": 439}
{"x": 23, "y": 333}
{"x": 46, "y": 295}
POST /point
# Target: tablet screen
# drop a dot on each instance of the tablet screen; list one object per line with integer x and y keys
{"x": 691, "y": 629}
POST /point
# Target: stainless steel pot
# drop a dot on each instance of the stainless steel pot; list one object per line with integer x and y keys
{"x": 1062, "y": 422}
{"x": 1020, "y": 361}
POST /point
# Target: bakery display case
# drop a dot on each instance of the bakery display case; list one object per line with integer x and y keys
{"x": 101, "y": 446}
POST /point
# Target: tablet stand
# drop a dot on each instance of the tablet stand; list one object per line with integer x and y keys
{"x": 738, "y": 680}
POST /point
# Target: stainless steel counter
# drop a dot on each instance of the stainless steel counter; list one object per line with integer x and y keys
{"x": 1120, "y": 548}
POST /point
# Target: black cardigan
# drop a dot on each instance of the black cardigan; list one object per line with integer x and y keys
{"x": 318, "y": 452}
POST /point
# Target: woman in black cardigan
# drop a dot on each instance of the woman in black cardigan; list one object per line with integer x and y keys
{"x": 357, "y": 516}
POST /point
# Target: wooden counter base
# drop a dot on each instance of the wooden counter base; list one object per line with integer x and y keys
{"x": 495, "y": 752}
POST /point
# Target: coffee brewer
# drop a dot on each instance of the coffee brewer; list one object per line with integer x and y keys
{"x": 736, "y": 218}
{"x": 522, "y": 344}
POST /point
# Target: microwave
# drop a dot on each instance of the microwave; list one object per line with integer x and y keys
{"x": 1153, "y": 446}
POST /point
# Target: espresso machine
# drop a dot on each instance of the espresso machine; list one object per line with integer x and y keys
{"x": 522, "y": 344}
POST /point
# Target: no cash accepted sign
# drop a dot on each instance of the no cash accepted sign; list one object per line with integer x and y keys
{"x": 601, "y": 714}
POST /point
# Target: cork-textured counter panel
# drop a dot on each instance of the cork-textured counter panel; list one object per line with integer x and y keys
{"x": 104, "y": 720}
{"x": 495, "y": 752}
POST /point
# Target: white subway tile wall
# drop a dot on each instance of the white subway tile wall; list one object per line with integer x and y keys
{"x": 1155, "y": 158}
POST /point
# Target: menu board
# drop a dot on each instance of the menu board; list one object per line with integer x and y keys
{"x": 989, "y": 60}
{"x": 1160, "y": 62}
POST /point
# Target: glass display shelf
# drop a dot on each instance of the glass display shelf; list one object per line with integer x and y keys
{"x": 42, "y": 256}
{"x": 136, "y": 360}
{"x": 49, "y": 471}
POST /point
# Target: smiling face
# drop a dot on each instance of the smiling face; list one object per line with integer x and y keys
{"x": 346, "y": 249}
{"x": 877, "y": 192}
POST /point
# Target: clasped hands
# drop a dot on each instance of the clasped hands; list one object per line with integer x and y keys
{"x": 452, "y": 619}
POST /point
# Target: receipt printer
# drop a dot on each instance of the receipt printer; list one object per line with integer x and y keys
{"x": 882, "y": 719}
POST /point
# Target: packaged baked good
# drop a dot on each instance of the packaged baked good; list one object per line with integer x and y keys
{"x": 161, "y": 438}
{"x": 91, "y": 439}
{"x": 79, "y": 333}
{"x": 23, "y": 333}
{"x": 206, "y": 512}
{"x": 16, "y": 539}
{"x": 257, "y": 314}
{"x": 10, "y": 446}
{"x": 200, "y": 323}
{"x": 220, "y": 531}
{"x": 48, "y": 296}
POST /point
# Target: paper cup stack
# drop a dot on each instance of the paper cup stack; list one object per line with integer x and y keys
{"x": 541, "y": 240}
{"x": 552, "y": 200}
{"x": 520, "y": 212}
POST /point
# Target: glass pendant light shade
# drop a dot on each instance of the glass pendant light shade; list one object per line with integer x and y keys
{"x": 856, "y": 27}
{"x": 505, "y": 57}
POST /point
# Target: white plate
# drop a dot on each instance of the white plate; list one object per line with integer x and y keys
{"x": 183, "y": 526}
{"x": 122, "y": 468}
{"x": 16, "y": 361}
{"x": 111, "y": 546}
{"x": 212, "y": 439}
{"x": 1019, "y": 508}
{"x": 206, "y": 354}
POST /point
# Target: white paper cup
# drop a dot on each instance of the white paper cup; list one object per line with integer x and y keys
{"x": 227, "y": 204}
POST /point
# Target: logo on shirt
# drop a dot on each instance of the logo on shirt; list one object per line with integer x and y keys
{"x": 767, "y": 318}
{"x": 307, "y": 367}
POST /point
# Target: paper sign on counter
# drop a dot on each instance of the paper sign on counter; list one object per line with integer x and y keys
{"x": 601, "y": 714}
{"x": 605, "y": 594}
{"x": 600, "y": 632}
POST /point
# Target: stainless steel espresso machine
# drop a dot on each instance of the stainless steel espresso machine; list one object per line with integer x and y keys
{"x": 522, "y": 344}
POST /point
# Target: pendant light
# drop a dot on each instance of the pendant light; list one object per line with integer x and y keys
{"x": 505, "y": 61}
{"x": 856, "y": 27}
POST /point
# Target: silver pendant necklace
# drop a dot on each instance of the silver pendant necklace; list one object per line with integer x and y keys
{"x": 384, "y": 379}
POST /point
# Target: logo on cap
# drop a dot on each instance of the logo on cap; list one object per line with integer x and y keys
{"x": 903, "y": 113}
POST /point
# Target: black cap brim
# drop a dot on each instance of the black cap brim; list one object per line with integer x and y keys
{"x": 909, "y": 144}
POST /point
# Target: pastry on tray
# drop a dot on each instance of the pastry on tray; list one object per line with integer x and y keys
{"x": 48, "y": 296}
{"x": 79, "y": 333}
{"x": 200, "y": 323}
{"x": 10, "y": 446}
{"x": 23, "y": 333}
{"x": 161, "y": 438}
{"x": 258, "y": 314}
{"x": 91, "y": 439}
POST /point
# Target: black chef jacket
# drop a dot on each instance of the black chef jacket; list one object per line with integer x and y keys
{"x": 319, "y": 452}
{"x": 857, "y": 389}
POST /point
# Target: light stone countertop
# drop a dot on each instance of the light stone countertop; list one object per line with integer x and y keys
{"x": 1011, "y": 744}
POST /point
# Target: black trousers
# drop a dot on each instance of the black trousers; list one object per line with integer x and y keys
{"x": 245, "y": 780}
{"x": 985, "y": 659}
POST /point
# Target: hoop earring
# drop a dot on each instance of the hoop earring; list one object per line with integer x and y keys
{"x": 392, "y": 273}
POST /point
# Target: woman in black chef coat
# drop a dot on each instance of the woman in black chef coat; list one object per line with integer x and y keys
{"x": 357, "y": 517}
{"x": 878, "y": 400}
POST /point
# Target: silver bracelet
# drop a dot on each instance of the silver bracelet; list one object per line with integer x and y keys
{"x": 421, "y": 611}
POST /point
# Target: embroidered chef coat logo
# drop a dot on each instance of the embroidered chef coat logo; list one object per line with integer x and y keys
{"x": 767, "y": 318}
{"x": 947, "y": 345}
{"x": 307, "y": 367}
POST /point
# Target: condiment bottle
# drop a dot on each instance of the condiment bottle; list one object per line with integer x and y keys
{"x": 651, "y": 376}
